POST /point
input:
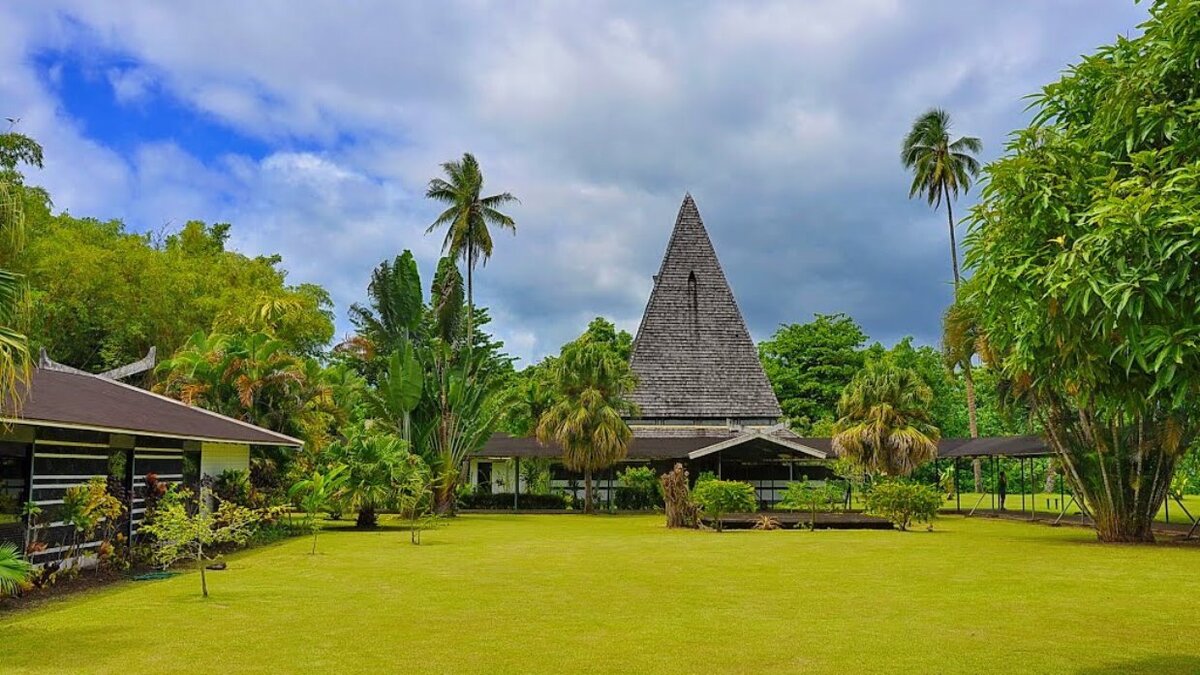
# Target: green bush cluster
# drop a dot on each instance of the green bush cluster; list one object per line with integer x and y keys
{"x": 504, "y": 500}
{"x": 718, "y": 497}
{"x": 639, "y": 490}
{"x": 903, "y": 502}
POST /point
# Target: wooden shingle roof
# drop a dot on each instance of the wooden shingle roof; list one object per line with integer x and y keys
{"x": 693, "y": 355}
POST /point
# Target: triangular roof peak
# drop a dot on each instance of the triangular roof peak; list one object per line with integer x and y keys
{"x": 693, "y": 354}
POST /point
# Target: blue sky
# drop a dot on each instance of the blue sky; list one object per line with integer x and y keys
{"x": 313, "y": 127}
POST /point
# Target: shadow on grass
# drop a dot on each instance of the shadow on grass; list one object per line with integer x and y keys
{"x": 1158, "y": 663}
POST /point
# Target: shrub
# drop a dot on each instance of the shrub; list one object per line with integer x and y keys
{"x": 718, "y": 497}
{"x": 903, "y": 502}
{"x": 504, "y": 500}
{"x": 639, "y": 489}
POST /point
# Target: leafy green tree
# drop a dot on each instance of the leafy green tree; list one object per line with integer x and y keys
{"x": 592, "y": 387}
{"x": 316, "y": 494}
{"x": 941, "y": 169}
{"x": 719, "y": 497}
{"x": 1084, "y": 247}
{"x": 884, "y": 424}
{"x": 180, "y": 533}
{"x": 467, "y": 217}
{"x": 809, "y": 364}
{"x": 604, "y": 331}
{"x": 14, "y": 570}
{"x": 903, "y": 502}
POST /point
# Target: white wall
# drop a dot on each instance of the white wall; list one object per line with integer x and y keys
{"x": 218, "y": 457}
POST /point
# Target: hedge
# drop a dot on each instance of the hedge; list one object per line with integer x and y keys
{"x": 504, "y": 500}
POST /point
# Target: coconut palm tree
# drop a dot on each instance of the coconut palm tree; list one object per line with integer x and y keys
{"x": 592, "y": 385}
{"x": 467, "y": 218}
{"x": 884, "y": 423}
{"x": 941, "y": 169}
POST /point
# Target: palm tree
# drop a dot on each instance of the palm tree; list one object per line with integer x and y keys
{"x": 884, "y": 423}
{"x": 375, "y": 464}
{"x": 592, "y": 386}
{"x": 941, "y": 169}
{"x": 467, "y": 218}
{"x": 15, "y": 362}
{"x": 14, "y": 569}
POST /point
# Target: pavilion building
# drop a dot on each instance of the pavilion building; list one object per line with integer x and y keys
{"x": 703, "y": 397}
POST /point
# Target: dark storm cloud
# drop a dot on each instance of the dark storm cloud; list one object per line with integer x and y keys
{"x": 782, "y": 119}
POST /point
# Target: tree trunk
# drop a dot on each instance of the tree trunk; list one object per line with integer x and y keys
{"x": 1051, "y": 476}
{"x": 953, "y": 246}
{"x": 470, "y": 293}
{"x": 366, "y": 517}
{"x": 314, "y": 548}
{"x": 588, "y": 506}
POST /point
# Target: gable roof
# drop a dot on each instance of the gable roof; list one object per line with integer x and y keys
{"x": 693, "y": 355}
{"x": 80, "y": 400}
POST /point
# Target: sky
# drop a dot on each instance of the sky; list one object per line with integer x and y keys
{"x": 314, "y": 127}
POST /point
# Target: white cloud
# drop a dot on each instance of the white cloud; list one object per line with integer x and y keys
{"x": 782, "y": 118}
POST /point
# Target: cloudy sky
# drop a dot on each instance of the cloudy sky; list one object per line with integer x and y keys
{"x": 314, "y": 126}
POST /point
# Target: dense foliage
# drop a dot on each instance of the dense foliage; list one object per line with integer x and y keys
{"x": 717, "y": 497}
{"x": 1084, "y": 250}
{"x": 903, "y": 502}
{"x": 809, "y": 364}
{"x": 592, "y": 385}
{"x": 885, "y": 426}
{"x": 103, "y": 296}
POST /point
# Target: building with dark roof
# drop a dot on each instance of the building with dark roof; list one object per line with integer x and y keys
{"x": 702, "y": 394}
{"x": 71, "y": 427}
{"x": 703, "y": 397}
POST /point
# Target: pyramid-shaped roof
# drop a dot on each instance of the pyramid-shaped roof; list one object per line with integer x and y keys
{"x": 693, "y": 355}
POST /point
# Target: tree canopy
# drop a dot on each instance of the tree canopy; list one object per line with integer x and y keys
{"x": 809, "y": 364}
{"x": 1084, "y": 248}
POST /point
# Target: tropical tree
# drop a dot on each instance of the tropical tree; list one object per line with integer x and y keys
{"x": 251, "y": 377}
{"x": 592, "y": 387}
{"x": 317, "y": 493}
{"x": 396, "y": 308}
{"x": 398, "y": 392}
{"x": 467, "y": 217}
{"x": 14, "y": 570}
{"x": 376, "y": 464}
{"x": 15, "y": 149}
{"x": 941, "y": 169}
{"x": 885, "y": 425}
{"x": 809, "y": 364}
{"x": 183, "y": 533}
{"x": 1083, "y": 248}
{"x": 454, "y": 421}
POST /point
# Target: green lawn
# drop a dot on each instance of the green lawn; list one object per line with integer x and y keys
{"x": 573, "y": 594}
{"x": 1012, "y": 502}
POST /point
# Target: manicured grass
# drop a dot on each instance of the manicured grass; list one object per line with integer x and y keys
{"x": 576, "y": 594}
{"x": 1051, "y": 505}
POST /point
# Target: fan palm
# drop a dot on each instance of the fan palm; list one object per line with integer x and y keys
{"x": 14, "y": 570}
{"x": 592, "y": 387}
{"x": 467, "y": 217}
{"x": 941, "y": 169}
{"x": 375, "y": 463}
{"x": 885, "y": 422}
